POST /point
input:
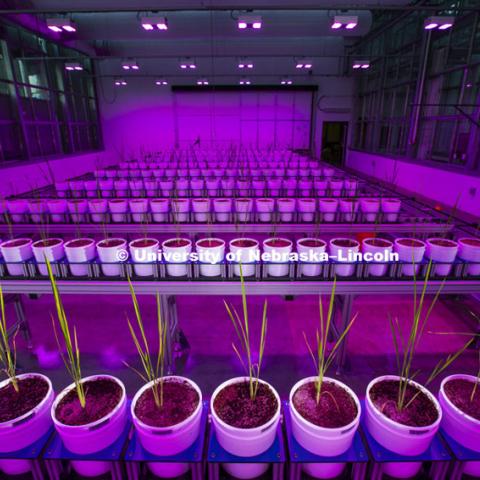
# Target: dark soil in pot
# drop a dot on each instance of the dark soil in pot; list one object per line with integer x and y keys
{"x": 378, "y": 242}
{"x": 111, "y": 243}
{"x": 420, "y": 413}
{"x": 312, "y": 243}
{"x": 180, "y": 400}
{"x": 210, "y": 243}
{"x": 411, "y": 242}
{"x": 81, "y": 242}
{"x": 345, "y": 242}
{"x": 441, "y": 242}
{"x": 234, "y": 406}
{"x": 278, "y": 242}
{"x": 16, "y": 243}
{"x": 31, "y": 392}
{"x": 335, "y": 409}
{"x": 177, "y": 243}
{"x": 459, "y": 392}
{"x": 473, "y": 242}
{"x": 144, "y": 243}
{"x": 102, "y": 396}
{"x": 244, "y": 243}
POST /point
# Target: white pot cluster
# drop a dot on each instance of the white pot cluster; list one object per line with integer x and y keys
{"x": 308, "y": 183}
{"x": 329, "y": 435}
{"x": 203, "y": 209}
{"x": 211, "y": 254}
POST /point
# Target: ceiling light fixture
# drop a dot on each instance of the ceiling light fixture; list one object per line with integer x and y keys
{"x": 245, "y": 63}
{"x": 286, "y": 81}
{"x": 347, "y": 22}
{"x": 70, "y": 66}
{"x": 202, "y": 81}
{"x": 303, "y": 63}
{"x": 361, "y": 64}
{"x": 249, "y": 21}
{"x": 161, "y": 82}
{"x": 61, "y": 24}
{"x": 187, "y": 64}
{"x": 120, "y": 82}
{"x": 244, "y": 81}
{"x": 130, "y": 65}
{"x": 440, "y": 23}
{"x": 154, "y": 23}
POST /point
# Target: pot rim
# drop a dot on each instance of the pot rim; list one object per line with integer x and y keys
{"x": 459, "y": 376}
{"x": 235, "y": 380}
{"x": 391, "y": 422}
{"x": 461, "y": 241}
{"x": 398, "y": 240}
{"x": 27, "y": 243}
{"x": 430, "y": 243}
{"x": 290, "y": 243}
{"x": 344, "y": 238}
{"x": 123, "y": 244}
{"x": 314, "y": 239}
{"x": 175, "y": 378}
{"x": 369, "y": 239}
{"x": 91, "y": 240}
{"x": 210, "y": 238}
{"x": 155, "y": 244}
{"x": 15, "y": 420}
{"x": 59, "y": 243}
{"x": 352, "y": 394}
{"x": 70, "y": 387}
{"x": 176, "y": 239}
{"x": 257, "y": 244}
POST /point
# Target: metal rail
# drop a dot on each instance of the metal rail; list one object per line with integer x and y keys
{"x": 229, "y": 287}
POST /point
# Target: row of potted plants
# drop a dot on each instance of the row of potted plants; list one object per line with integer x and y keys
{"x": 284, "y": 209}
{"x": 91, "y": 413}
{"x": 228, "y": 186}
{"x": 311, "y": 253}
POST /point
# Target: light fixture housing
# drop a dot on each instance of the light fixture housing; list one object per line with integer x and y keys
{"x": 187, "y": 64}
{"x": 361, "y": 64}
{"x": 439, "y": 23}
{"x": 244, "y": 81}
{"x": 248, "y": 21}
{"x": 154, "y": 23}
{"x": 73, "y": 66}
{"x": 346, "y": 22}
{"x": 61, "y": 24}
{"x": 202, "y": 81}
{"x": 303, "y": 63}
{"x": 286, "y": 81}
{"x": 245, "y": 63}
{"x": 130, "y": 65}
{"x": 161, "y": 82}
{"x": 120, "y": 82}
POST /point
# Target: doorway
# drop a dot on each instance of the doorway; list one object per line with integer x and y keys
{"x": 334, "y": 140}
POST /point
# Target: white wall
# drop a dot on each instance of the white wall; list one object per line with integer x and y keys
{"x": 442, "y": 186}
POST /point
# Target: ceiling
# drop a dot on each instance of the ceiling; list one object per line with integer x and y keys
{"x": 206, "y": 30}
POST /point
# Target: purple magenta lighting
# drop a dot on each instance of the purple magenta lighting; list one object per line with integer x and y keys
{"x": 249, "y": 22}
{"x": 147, "y": 26}
{"x": 120, "y": 82}
{"x": 304, "y": 63}
{"x": 363, "y": 64}
{"x": 244, "y": 63}
{"x": 202, "y": 81}
{"x": 286, "y": 81}
{"x": 154, "y": 23}
{"x": 161, "y": 82}
{"x": 61, "y": 24}
{"x": 347, "y": 22}
{"x": 71, "y": 66}
{"x": 431, "y": 25}
{"x": 244, "y": 81}
{"x": 438, "y": 22}
{"x": 130, "y": 65}
{"x": 336, "y": 25}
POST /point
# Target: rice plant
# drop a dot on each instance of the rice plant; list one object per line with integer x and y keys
{"x": 320, "y": 358}
{"x": 153, "y": 370}
{"x": 8, "y": 351}
{"x": 72, "y": 359}
{"x": 405, "y": 349}
{"x": 242, "y": 329}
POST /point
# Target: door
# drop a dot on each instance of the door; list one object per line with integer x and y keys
{"x": 334, "y": 140}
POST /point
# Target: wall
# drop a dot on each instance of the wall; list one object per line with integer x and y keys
{"x": 21, "y": 178}
{"x": 143, "y": 115}
{"x": 437, "y": 184}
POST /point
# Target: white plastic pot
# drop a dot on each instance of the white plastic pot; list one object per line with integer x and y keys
{"x": 136, "y": 188}
{"x": 168, "y": 441}
{"x": 265, "y": 208}
{"x": 121, "y": 188}
{"x": 243, "y": 209}
{"x": 76, "y": 187}
{"x": 351, "y": 186}
{"x": 401, "y": 439}
{"x": 274, "y": 186}
{"x": 322, "y": 441}
{"x": 246, "y": 252}
{"x": 380, "y": 247}
{"x": 138, "y": 208}
{"x": 313, "y": 247}
{"x": 91, "y": 187}
{"x": 37, "y": 209}
{"x": 51, "y": 249}
{"x": 320, "y": 186}
{"x": 463, "y": 428}
{"x": 57, "y": 209}
{"x": 111, "y": 252}
{"x": 328, "y": 208}
{"x": 150, "y": 187}
{"x": 391, "y": 208}
{"x": 166, "y": 186}
{"x": 336, "y": 186}
{"x": 348, "y": 208}
{"x": 106, "y": 187}
{"x": 279, "y": 249}
{"x": 77, "y": 209}
{"x": 289, "y": 187}
{"x": 17, "y": 210}
{"x": 244, "y": 442}
{"x": 341, "y": 248}
{"x": 181, "y": 187}
{"x": 26, "y": 429}
{"x": 306, "y": 207}
{"x": 159, "y": 208}
{"x": 197, "y": 186}
{"x": 228, "y": 185}
{"x": 258, "y": 187}
{"x": 222, "y": 208}
{"x": 79, "y": 251}
{"x": 411, "y": 252}
{"x": 444, "y": 252}
{"x": 211, "y": 254}
{"x": 98, "y": 208}
{"x": 144, "y": 253}
{"x": 469, "y": 251}
{"x": 328, "y": 172}
{"x": 92, "y": 437}
{"x": 370, "y": 208}
{"x": 62, "y": 189}
{"x": 212, "y": 186}
{"x": 15, "y": 252}
{"x": 286, "y": 208}
{"x": 180, "y": 209}
{"x": 201, "y": 209}
{"x": 305, "y": 187}
{"x": 176, "y": 253}
{"x": 118, "y": 209}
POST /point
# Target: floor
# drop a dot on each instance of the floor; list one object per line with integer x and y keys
{"x": 105, "y": 342}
